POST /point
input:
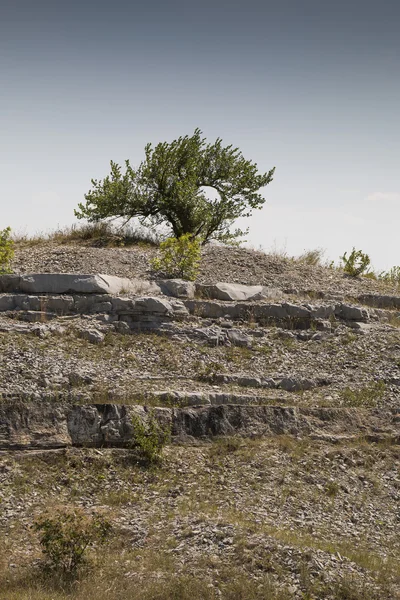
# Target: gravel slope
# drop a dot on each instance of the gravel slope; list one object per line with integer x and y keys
{"x": 219, "y": 263}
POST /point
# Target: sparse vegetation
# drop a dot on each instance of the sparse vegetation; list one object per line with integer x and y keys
{"x": 366, "y": 396}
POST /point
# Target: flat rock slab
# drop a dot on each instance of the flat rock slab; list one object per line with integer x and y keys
{"x": 69, "y": 283}
{"x": 230, "y": 291}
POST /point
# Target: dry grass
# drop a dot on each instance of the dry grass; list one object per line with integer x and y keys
{"x": 101, "y": 234}
{"x": 140, "y": 577}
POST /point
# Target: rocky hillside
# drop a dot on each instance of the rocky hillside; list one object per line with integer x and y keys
{"x": 280, "y": 384}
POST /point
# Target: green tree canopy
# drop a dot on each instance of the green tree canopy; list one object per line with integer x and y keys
{"x": 169, "y": 187}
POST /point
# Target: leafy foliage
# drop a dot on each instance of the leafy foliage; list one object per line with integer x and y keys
{"x": 149, "y": 439}
{"x": 356, "y": 264}
{"x": 6, "y": 250}
{"x": 169, "y": 187}
{"x": 179, "y": 257}
{"x": 66, "y": 534}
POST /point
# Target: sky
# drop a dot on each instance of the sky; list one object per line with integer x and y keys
{"x": 308, "y": 86}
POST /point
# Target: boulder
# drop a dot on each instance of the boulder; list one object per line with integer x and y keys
{"x": 177, "y": 288}
{"x": 92, "y": 335}
{"x": 349, "y": 312}
{"x": 324, "y": 311}
{"x": 238, "y": 338}
{"x": 230, "y": 291}
{"x": 293, "y": 384}
{"x": 240, "y": 380}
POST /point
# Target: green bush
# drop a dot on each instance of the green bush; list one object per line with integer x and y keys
{"x": 179, "y": 257}
{"x": 356, "y": 264}
{"x": 66, "y": 534}
{"x": 6, "y": 250}
{"x": 149, "y": 439}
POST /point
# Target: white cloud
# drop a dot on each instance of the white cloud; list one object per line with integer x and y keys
{"x": 384, "y": 197}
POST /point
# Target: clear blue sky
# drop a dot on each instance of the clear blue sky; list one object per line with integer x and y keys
{"x": 310, "y": 87}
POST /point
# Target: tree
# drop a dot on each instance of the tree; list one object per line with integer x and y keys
{"x": 169, "y": 187}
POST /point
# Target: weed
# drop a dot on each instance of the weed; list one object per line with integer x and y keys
{"x": 118, "y": 498}
{"x": 206, "y": 371}
{"x": 348, "y": 338}
{"x": 331, "y": 489}
{"x": 238, "y": 354}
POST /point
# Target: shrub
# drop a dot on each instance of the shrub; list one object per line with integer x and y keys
{"x": 356, "y": 264}
{"x": 149, "y": 439}
{"x": 6, "y": 250}
{"x": 179, "y": 257}
{"x": 66, "y": 534}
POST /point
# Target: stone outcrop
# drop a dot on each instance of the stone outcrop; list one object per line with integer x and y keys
{"x": 135, "y": 305}
{"x": 31, "y": 425}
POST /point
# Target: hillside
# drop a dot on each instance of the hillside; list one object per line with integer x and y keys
{"x": 280, "y": 383}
